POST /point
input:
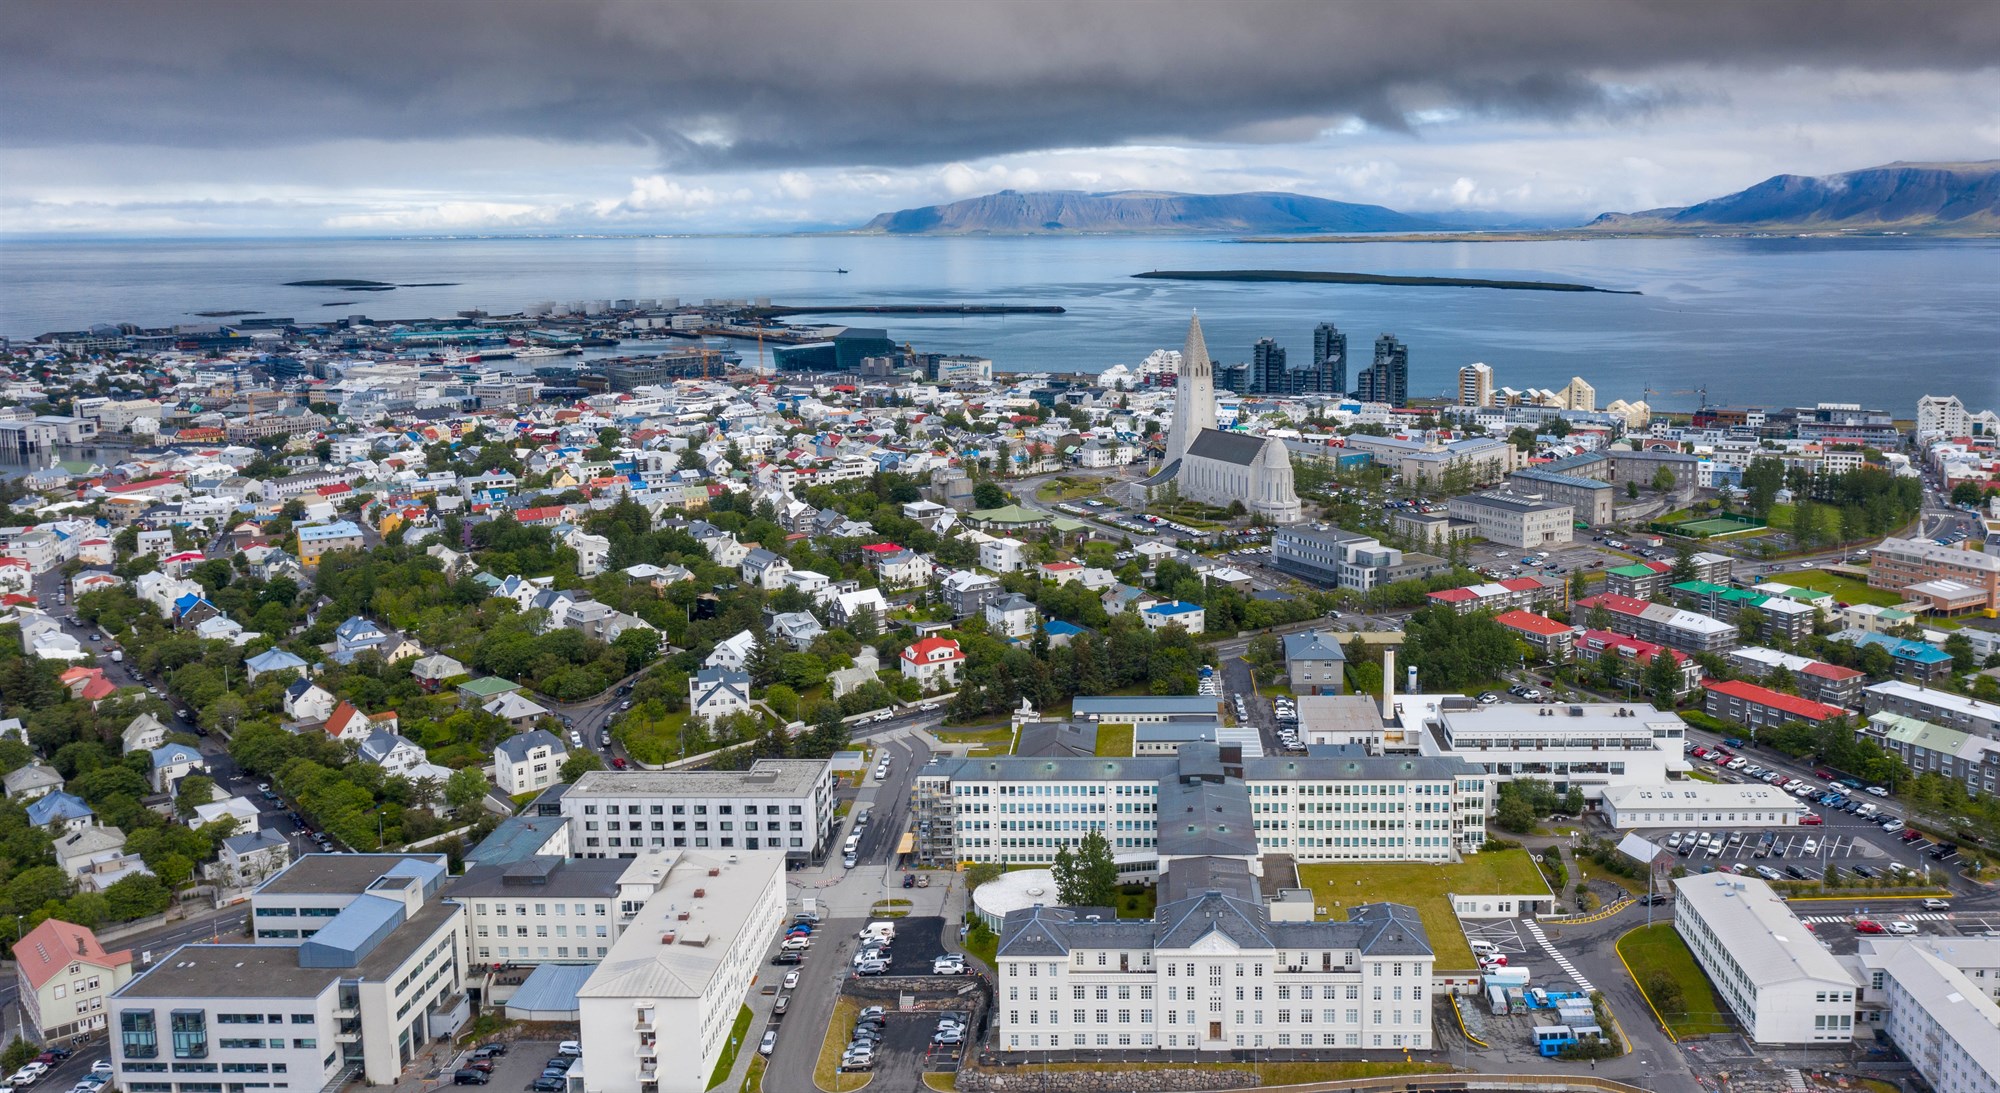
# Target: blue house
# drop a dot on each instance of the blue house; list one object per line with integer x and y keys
{"x": 61, "y": 813}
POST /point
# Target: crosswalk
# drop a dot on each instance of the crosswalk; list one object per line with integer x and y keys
{"x": 1825, "y": 920}
{"x": 1534, "y": 930}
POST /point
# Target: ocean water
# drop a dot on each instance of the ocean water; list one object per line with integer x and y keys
{"x": 1748, "y": 321}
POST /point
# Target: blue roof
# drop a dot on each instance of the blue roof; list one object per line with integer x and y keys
{"x": 273, "y": 659}
{"x": 1175, "y": 608}
{"x": 174, "y": 753}
{"x": 1905, "y": 649}
{"x": 57, "y": 805}
{"x": 516, "y": 838}
{"x": 429, "y": 873}
{"x": 1057, "y": 628}
{"x": 352, "y": 934}
{"x": 339, "y": 529}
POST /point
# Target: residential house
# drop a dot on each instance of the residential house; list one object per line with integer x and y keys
{"x": 867, "y": 669}
{"x": 248, "y": 859}
{"x": 1003, "y": 555}
{"x": 60, "y": 812}
{"x": 763, "y": 569}
{"x": 528, "y": 762}
{"x": 968, "y": 592}
{"x": 64, "y": 976}
{"x": 733, "y": 652}
{"x": 849, "y": 606}
{"x": 171, "y": 763}
{"x": 478, "y": 692}
{"x": 400, "y": 756}
{"x": 271, "y": 661}
{"x": 1012, "y": 616}
{"x": 144, "y": 733}
{"x": 79, "y": 852}
{"x": 308, "y": 701}
{"x": 797, "y": 629}
{"x": 517, "y": 710}
{"x": 1315, "y": 664}
{"x": 32, "y": 781}
{"x": 718, "y": 692}
{"x": 593, "y": 553}
{"x": 350, "y": 726}
{"x": 434, "y": 671}
{"x": 896, "y": 566}
{"x": 1188, "y": 616}
{"x": 935, "y": 663}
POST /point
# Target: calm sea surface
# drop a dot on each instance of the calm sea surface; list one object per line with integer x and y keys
{"x": 1759, "y": 322}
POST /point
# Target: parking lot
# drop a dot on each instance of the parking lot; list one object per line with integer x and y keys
{"x": 517, "y": 1069}
{"x": 1504, "y": 934}
{"x": 1794, "y": 854}
{"x": 918, "y": 942}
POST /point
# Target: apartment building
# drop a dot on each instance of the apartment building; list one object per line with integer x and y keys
{"x": 1953, "y": 711}
{"x": 1589, "y": 500}
{"x": 1585, "y": 746}
{"x": 1339, "y": 804}
{"x": 546, "y": 909}
{"x": 659, "y": 1009}
{"x": 1900, "y": 563}
{"x": 63, "y": 976}
{"x": 1783, "y": 986}
{"x": 1517, "y": 520}
{"x": 1640, "y": 580}
{"x": 1816, "y": 679}
{"x": 358, "y": 995}
{"x": 1524, "y": 593}
{"x": 1928, "y": 748}
{"x": 1315, "y": 664}
{"x": 1635, "y": 657}
{"x": 1934, "y": 999}
{"x": 1777, "y": 616}
{"x": 1756, "y": 707}
{"x": 778, "y": 804}
{"x": 1918, "y": 662}
{"x": 316, "y": 540}
{"x": 1551, "y": 640}
{"x": 1344, "y": 559}
{"x": 1684, "y": 630}
{"x": 528, "y": 761}
{"x": 1212, "y": 972}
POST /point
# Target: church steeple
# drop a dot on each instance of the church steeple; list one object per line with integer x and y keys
{"x": 1194, "y": 394}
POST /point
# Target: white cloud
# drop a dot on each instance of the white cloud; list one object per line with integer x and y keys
{"x": 450, "y": 216}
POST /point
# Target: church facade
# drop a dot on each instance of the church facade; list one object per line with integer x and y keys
{"x": 1215, "y": 467}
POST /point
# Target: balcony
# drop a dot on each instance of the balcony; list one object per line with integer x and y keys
{"x": 643, "y": 1019}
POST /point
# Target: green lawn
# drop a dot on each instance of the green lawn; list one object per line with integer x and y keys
{"x": 1137, "y": 900}
{"x": 1425, "y": 886}
{"x": 1067, "y": 488}
{"x": 727, "y": 1061}
{"x": 1844, "y": 589}
{"x": 996, "y": 741}
{"x": 1115, "y": 740}
{"x": 1659, "y": 946}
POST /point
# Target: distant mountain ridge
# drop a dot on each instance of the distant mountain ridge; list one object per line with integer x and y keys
{"x": 1049, "y": 212}
{"x": 1961, "y": 197}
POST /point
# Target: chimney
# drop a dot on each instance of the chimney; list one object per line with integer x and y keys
{"x": 1388, "y": 686}
{"x": 80, "y": 950}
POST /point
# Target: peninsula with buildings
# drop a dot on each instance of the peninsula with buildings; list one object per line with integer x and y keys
{"x": 671, "y": 684}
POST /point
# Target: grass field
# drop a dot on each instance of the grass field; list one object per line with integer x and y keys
{"x": 1115, "y": 740}
{"x": 997, "y": 741}
{"x": 1066, "y": 488}
{"x": 1844, "y": 589}
{"x": 1660, "y": 947}
{"x": 726, "y": 1062}
{"x": 827, "y": 1073}
{"x": 1425, "y": 887}
{"x": 1715, "y": 526}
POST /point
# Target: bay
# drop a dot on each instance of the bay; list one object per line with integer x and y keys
{"x": 1761, "y": 322}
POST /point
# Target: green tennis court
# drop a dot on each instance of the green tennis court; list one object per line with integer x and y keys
{"x": 1719, "y": 525}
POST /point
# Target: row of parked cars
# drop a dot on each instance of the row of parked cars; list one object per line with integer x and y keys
{"x": 37, "y": 1068}
{"x": 478, "y": 1067}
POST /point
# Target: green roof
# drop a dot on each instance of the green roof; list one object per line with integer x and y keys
{"x": 1916, "y": 732}
{"x": 1744, "y": 595}
{"x": 1066, "y": 525}
{"x": 490, "y": 686}
{"x": 1701, "y": 588}
{"x": 1634, "y": 570}
{"x": 1009, "y": 514}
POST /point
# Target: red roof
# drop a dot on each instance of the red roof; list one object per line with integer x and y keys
{"x": 1833, "y": 672}
{"x": 146, "y": 485}
{"x": 544, "y": 512}
{"x": 1454, "y": 595}
{"x": 1641, "y": 651}
{"x": 1061, "y": 567}
{"x": 335, "y": 490}
{"x": 49, "y": 949}
{"x": 1611, "y": 601}
{"x": 1521, "y": 584}
{"x": 920, "y": 652}
{"x": 1531, "y": 623}
{"x": 881, "y": 548}
{"x": 1777, "y": 700}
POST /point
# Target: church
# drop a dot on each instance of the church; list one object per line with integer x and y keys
{"x": 1216, "y": 467}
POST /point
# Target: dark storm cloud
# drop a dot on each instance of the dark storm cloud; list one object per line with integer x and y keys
{"x": 750, "y": 84}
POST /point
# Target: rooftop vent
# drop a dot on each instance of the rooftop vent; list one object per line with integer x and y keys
{"x": 715, "y": 872}
{"x": 684, "y": 915}
{"x": 666, "y": 939}
{"x": 700, "y": 893}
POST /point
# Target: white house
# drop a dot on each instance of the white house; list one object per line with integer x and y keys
{"x": 718, "y": 692}
{"x": 593, "y": 553}
{"x": 144, "y": 733}
{"x": 732, "y": 652}
{"x": 934, "y": 663}
{"x": 1012, "y": 616}
{"x": 528, "y": 762}
{"x": 1002, "y": 555}
{"x": 1188, "y": 616}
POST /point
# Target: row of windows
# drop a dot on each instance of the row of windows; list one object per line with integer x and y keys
{"x": 520, "y": 952}
{"x": 726, "y": 841}
{"x": 699, "y": 825}
{"x": 543, "y": 931}
{"x": 499, "y": 910}
{"x": 699, "y": 810}
{"x": 1282, "y": 1039}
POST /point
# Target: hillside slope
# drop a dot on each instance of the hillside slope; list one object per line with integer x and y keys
{"x": 1961, "y": 197}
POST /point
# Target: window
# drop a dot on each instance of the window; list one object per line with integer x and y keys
{"x": 190, "y": 1031}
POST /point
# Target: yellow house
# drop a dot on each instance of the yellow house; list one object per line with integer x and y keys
{"x": 64, "y": 977}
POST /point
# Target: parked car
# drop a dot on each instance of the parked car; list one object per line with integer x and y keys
{"x": 1876, "y": 791}
{"x": 1868, "y": 926}
{"x": 1900, "y": 927}
{"x": 769, "y": 1043}
{"x": 872, "y": 967}
{"x": 469, "y": 1076}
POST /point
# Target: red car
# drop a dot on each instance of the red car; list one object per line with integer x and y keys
{"x": 617, "y": 762}
{"x": 1868, "y": 926}
{"x": 1720, "y": 758}
{"x": 1823, "y": 774}
{"x": 1701, "y": 753}
{"x": 1811, "y": 819}
{"x": 1911, "y": 835}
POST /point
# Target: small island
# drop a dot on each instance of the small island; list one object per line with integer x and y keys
{"x": 341, "y": 282}
{"x": 1321, "y": 277}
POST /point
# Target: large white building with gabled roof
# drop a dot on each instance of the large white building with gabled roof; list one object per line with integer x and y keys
{"x": 1217, "y": 467}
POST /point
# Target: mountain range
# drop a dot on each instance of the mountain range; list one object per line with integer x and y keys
{"x": 1950, "y": 198}
{"x": 1963, "y": 197}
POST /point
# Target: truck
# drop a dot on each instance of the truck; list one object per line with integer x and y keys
{"x": 118, "y": 656}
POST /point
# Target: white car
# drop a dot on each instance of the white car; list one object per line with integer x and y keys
{"x": 1876, "y": 791}
{"x": 1901, "y": 928}
{"x": 792, "y": 979}
{"x": 1810, "y": 848}
{"x": 770, "y": 1042}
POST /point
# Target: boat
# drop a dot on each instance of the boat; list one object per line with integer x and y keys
{"x": 537, "y": 352}
{"x": 840, "y": 271}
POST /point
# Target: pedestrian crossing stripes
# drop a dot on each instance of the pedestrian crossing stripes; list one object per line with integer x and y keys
{"x": 1534, "y": 930}
{"x": 1824, "y": 920}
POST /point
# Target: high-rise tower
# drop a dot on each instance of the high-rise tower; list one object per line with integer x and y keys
{"x": 1267, "y": 369}
{"x": 1330, "y": 359}
{"x": 1388, "y": 379}
{"x": 1194, "y": 395}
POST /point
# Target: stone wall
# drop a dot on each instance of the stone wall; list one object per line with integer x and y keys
{"x": 1031, "y": 1079}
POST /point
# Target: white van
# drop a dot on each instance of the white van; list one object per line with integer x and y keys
{"x": 1481, "y": 948}
{"x": 886, "y": 931}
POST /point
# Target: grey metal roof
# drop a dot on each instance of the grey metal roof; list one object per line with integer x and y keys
{"x": 516, "y": 748}
{"x": 1313, "y": 645}
{"x": 517, "y": 837}
{"x": 333, "y": 874}
{"x": 541, "y": 875}
{"x": 1201, "y": 817}
{"x": 1241, "y": 449}
{"x": 231, "y": 971}
{"x": 765, "y": 778}
{"x": 1107, "y": 705}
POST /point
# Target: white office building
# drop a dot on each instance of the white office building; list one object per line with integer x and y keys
{"x": 359, "y": 993}
{"x": 547, "y": 910}
{"x": 778, "y": 804}
{"x": 658, "y": 1011}
{"x": 1693, "y": 804}
{"x": 1929, "y": 1005}
{"x": 1589, "y": 746}
{"x": 1783, "y": 986}
{"x": 1212, "y": 972}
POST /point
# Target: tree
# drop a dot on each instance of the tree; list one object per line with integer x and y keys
{"x": 1683, "y": 563}
{"x": 1632, "y": 490}
{"x": 1514, "y": 813}
{"x": 194, "y": 790}
{"x": 1663, "y": 680}
{"x": 465, "y": 787}
{"x": 1087, "y": 877}
{"x": 579, "y": 762}
{"x": 18, "y": 1054}
{"x": 1663, "y": 480}
{"x": 988, "y": 495}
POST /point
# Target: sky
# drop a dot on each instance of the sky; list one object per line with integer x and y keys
{"x": 410, "y": 117}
